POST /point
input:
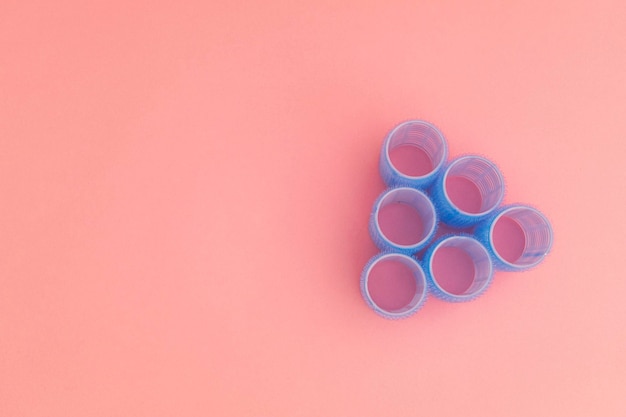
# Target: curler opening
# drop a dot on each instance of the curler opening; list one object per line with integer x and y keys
{"x": 411, "y": 160}
{"x": 460, "y": 266}
{"x": 395, "y": 284}
{"x": 406, "y": 217}
{"x": 521, "y": 236}
{"x": 416, "y": 149}
{"x": 474, "y": 185}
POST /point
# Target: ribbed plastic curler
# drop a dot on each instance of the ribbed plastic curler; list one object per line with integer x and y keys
{"x": 458, "y": 268}
{"x": 467, "y": 191}
{"x": 404, "y": 274}
{"x": 403, "y": 220}
{"x": 413, "y": 153}
{"x": 517, "y": 236}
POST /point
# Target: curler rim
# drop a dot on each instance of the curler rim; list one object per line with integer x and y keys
{"x": 491, "y": 165}
{"x": 421, "y": 287}
{"x": 379, "y": 237}
{"x": 504, "y": 264}
{"x": 442, "y": 293}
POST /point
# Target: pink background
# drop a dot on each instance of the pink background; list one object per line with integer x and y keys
{"x": 185, "y": 190}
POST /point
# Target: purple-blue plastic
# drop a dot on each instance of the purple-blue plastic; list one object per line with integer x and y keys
{"x": 418, "y": 201}
{"x": 483, "y": 268}
{"x": 538, "y": 236}
{"x": 487, "y": 178}
{"x": 419, "y": 297}
{"x": 422, "y": 135}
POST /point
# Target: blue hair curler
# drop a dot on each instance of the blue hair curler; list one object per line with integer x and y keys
{"x": 422, "y": 206}
{"x": 416, "y": 300}
{"x": 532, "y": 225}
{"x": 475, "y": 252}
{"x": 420, "y": 135}
{"x": 480, "y": 172}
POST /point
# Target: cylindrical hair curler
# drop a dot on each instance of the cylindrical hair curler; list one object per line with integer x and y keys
{"x": 413, "y": 302}
{"x": 531, "y": 227}
{"x": 415, "y": 138}
{"x": 468, "y": 253}
{"x": 482, "y": 176}
{"x": 419, "y": 206}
